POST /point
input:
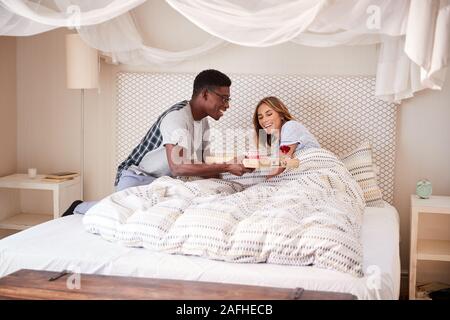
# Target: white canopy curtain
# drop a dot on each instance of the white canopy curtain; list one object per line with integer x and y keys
{"x": 413, "y": 35}
{"x": 29, "y": 17}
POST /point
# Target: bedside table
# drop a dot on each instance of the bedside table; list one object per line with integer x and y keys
{"x": 423, "y": 248}
{"x": 63, "y": 192}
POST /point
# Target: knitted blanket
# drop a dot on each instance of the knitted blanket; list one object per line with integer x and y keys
{"x": 311, "y": 215}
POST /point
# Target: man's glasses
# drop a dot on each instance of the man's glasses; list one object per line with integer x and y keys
{"x": 225, "y": 99}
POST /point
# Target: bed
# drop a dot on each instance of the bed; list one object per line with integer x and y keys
{"x": 64, "y": 244}
{"x": 340, "y": 111}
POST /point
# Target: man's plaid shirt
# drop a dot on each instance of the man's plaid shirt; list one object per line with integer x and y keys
{"x": 150, "y": 142}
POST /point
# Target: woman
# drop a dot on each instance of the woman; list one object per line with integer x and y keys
{"x": 277, "y": 129}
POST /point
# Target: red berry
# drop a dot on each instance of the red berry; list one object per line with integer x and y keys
{"x": 285, "y": 149}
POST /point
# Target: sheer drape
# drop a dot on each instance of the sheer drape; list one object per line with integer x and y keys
{"x": 413, "y": 34}
{"x": 26, "y": 17}
{"x": 106, "y": 25}
{"x": 120, "y": 40}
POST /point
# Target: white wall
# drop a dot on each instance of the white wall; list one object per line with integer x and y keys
{"x": 8, "y": 115}
{"x": 423, "y": 151}
{"x": 48, "y": 114}
{"x": 8, "y": 122}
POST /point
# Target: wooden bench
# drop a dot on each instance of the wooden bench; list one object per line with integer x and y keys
{"x": 47, "y": 285}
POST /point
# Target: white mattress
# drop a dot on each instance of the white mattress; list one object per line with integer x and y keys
{"x": 64, "y": 244}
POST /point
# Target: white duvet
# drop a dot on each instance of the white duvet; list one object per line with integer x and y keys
{"x": 307, "y": 216}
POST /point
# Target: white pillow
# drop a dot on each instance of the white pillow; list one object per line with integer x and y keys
{"x": 359, "y": 163}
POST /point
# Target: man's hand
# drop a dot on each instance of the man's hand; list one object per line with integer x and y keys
{"x": 238, "y": 169}
{"x": 181, "y": 168}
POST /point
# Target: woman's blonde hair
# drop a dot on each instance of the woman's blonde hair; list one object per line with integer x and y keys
{"x": 276, "y": 105}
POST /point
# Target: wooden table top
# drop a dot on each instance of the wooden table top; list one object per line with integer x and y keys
{"x": 36, "y": 285}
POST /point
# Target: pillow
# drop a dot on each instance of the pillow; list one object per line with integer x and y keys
{"x": 359, "y": 163}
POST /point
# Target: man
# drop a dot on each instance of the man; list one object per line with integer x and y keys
{"x": 174, "y": 144}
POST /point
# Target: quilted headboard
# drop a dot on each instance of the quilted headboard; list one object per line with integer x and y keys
{"x": 340, "y": 111}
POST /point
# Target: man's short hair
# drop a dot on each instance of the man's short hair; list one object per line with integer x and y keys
{"x": 210, "y": 79}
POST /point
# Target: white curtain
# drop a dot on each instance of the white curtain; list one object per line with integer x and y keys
{"x": 413, "y": 35}
{"x": 106, "y": 25}
{"x": 120, "y": 40}
{"x": 27, "y": 17}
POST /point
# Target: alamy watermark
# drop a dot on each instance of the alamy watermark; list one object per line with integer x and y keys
{"x": 373, "y": 21}
{"x": 74, "y": 17}
{"x": 222, "y": 142}
{"x": 373, "y": 281}
{"x": 73, "y": 281}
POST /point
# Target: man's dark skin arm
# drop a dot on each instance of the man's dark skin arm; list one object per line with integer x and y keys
{"x": 201, "y": 169}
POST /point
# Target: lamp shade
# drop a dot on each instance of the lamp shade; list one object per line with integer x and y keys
{"x": 81, "y": 64}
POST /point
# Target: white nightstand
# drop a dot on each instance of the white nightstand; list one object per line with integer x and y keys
{"x": 423, "y": 248}
{"x": 64, "y": 193}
